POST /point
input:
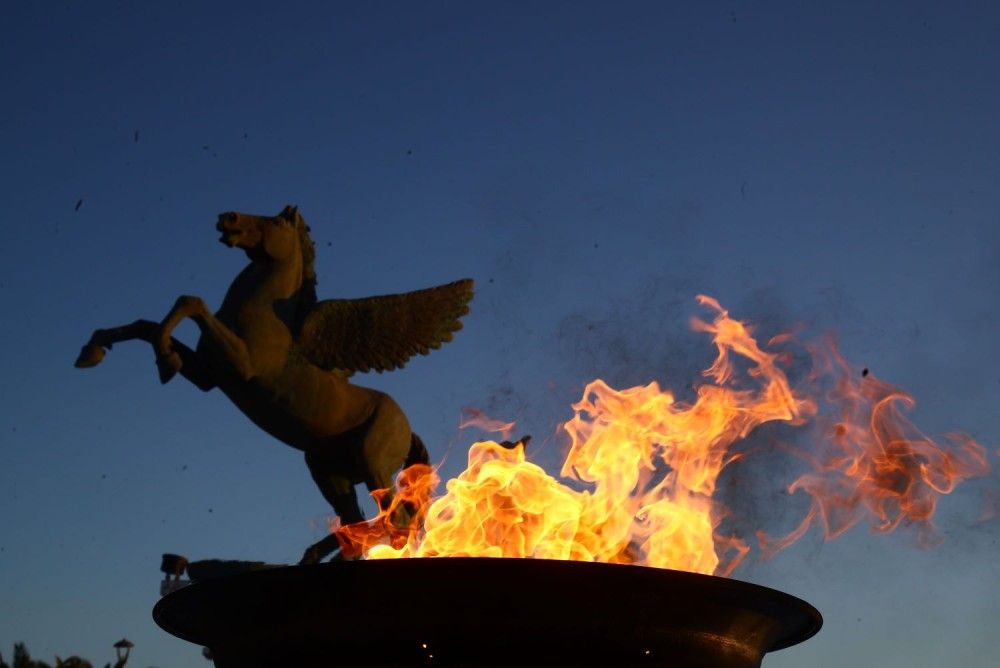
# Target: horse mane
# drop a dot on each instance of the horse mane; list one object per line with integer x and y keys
{"x": 308, "y": 260}
{"x": 307, "y": 293}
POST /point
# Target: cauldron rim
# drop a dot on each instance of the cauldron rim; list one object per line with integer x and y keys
{"x": 203, "y": 612}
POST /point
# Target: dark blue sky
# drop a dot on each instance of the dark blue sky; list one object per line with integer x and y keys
{"x": 592, "y": 165}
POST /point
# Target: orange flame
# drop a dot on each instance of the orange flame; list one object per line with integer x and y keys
{"x": 401, "y": 511}
{"x": 642, "y": 467}
{"x": 871, "y": 461}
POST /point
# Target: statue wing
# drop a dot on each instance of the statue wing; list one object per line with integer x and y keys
{"x": 382, "y": 333}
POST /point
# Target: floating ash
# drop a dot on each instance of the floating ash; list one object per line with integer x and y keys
{"x": 638, "y": 483}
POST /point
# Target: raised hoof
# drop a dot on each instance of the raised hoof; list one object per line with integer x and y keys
{"x": 90, "y": 355}
{"x": 168, "y": 366}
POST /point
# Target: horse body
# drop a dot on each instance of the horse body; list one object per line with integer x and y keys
{"x": 249, "y": 350}
{"x": 280, "y": 390}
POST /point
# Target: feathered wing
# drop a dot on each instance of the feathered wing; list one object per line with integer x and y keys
{"x": 382, "y": 333}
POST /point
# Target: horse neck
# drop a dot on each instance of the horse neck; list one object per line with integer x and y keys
{"x": 278, "y": 278}
{"x": 263, "y": 283}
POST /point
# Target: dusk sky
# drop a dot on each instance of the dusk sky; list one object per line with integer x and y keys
{"x": 593, "y": 166}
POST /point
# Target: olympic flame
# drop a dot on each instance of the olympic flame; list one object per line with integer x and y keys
{"x": 639, "y": 479}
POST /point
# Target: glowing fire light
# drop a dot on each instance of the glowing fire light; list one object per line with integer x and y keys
{"x": 644, "y": 468}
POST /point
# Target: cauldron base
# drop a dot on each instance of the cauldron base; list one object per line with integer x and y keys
{"x": 484, "y": 613}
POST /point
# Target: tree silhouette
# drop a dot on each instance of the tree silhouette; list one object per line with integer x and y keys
{"x": 73, "y": 662}
{"x": 22, "y": 659}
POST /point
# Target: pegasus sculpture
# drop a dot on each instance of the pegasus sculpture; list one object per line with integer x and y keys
{"x": 285, "y": 359}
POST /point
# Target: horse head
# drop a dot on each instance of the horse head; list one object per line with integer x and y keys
{"x": 263, "y": 237}
{"x": 282, "y": 240}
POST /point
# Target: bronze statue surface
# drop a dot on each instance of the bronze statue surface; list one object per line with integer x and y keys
{"x": 285, "y": 358}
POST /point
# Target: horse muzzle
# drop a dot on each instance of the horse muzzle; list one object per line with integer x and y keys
{"x": 229, "y": 229}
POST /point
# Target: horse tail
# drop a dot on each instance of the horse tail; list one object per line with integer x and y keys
{"x": 418, "y": 452}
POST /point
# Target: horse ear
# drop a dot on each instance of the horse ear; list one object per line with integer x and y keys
{"x": 289, "y": 213}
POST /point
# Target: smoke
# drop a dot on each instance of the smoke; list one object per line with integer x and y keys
{"x": 637, "y": 338}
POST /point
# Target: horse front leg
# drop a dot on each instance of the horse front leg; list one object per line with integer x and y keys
{"x": 234, "y": 349}
{"x": 92, "y": 353}
{"x": 102, "y": 340}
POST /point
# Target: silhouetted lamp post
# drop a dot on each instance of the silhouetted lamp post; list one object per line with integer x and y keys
{"x": 122, "y": 645}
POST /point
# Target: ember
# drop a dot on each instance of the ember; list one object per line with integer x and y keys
{"x": 642, "y": 467}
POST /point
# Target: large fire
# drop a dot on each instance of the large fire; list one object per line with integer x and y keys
{"x": 642, "y": 468}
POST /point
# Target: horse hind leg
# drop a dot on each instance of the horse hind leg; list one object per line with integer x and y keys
{"x": 386, "y": 444}
{"x": 346, "y": 507}
{"x": 384, "y": 481}
{"x": 339, "y": 492}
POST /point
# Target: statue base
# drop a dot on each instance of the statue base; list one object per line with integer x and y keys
{"x": 483, "y": 612}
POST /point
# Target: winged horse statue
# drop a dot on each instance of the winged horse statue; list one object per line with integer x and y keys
{"x": 285, "y": 359}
